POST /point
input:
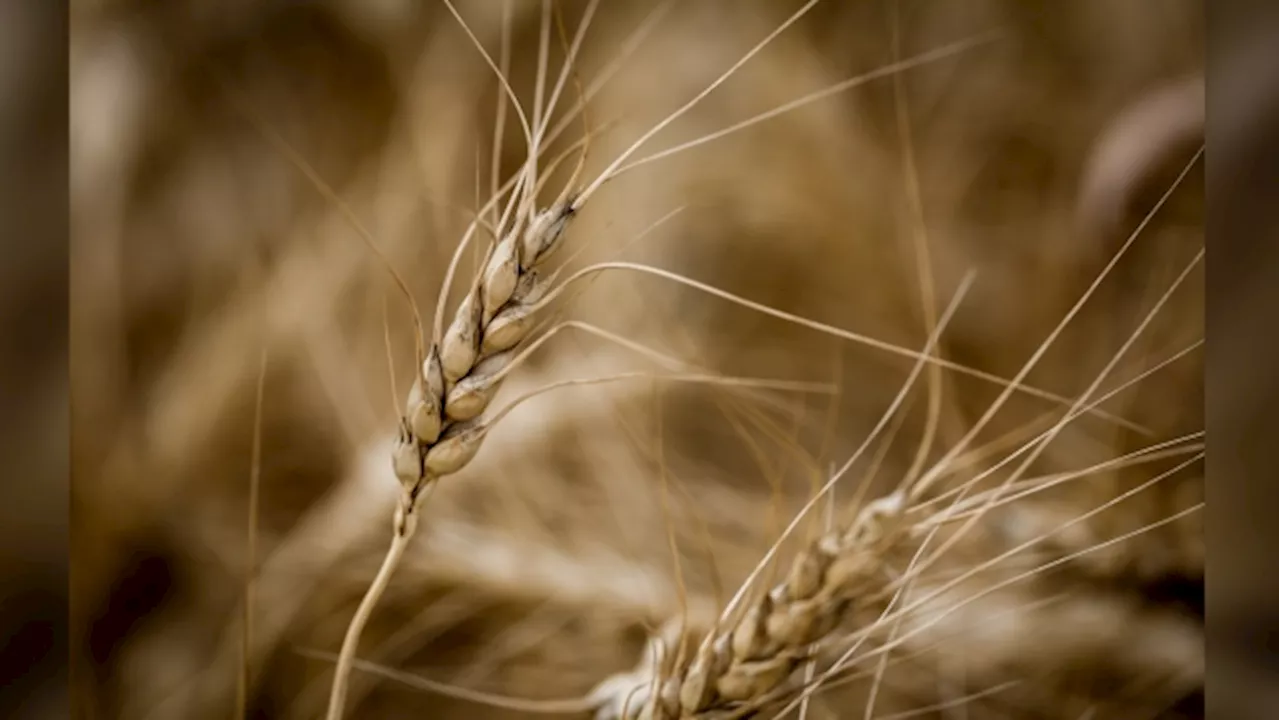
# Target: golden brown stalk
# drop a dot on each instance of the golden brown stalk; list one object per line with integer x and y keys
{"x": 442, "y": 429}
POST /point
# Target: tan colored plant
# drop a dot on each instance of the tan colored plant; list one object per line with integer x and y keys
{"x": 576, "y": 527}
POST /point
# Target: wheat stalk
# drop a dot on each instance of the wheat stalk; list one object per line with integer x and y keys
{"x": 442, "y": 429}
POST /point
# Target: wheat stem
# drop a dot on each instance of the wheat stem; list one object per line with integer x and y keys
{"x": 406, "y": 522}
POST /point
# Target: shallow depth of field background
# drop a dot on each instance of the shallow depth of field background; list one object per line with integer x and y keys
{"x": 202, "y": 254}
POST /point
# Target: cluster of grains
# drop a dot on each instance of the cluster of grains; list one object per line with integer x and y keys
{"x": 741, "y": 667}
{"x": 443, "y": 427}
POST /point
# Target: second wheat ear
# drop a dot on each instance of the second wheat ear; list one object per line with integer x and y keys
{"x": 741, "y": 666}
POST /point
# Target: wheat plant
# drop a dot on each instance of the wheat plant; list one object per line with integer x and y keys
{"x": 690, "y": 433}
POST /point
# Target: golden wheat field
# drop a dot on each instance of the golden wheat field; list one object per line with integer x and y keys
{"x": 632, "y": 359}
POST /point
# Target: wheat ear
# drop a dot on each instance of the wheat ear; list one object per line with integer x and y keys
{"x": 747, "y": 662}
{"x": 441, "y": 431}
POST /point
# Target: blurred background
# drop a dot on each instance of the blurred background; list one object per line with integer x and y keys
{"x": 208, "y": 259}
{"x": 33, "y": 368}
